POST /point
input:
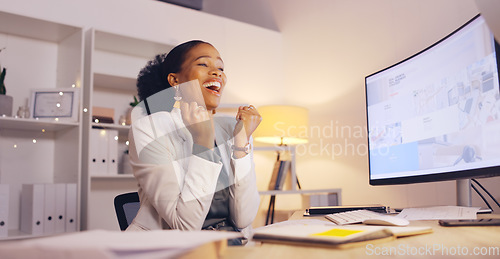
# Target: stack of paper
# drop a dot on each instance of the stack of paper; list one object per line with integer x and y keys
{"x": 101, "y": 244}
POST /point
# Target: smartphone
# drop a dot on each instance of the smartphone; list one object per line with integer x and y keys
{"x": 470, "y": 222}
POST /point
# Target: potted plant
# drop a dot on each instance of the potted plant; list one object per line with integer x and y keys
{"x": 129, "y": 111}
{"x": 6, "y": 101}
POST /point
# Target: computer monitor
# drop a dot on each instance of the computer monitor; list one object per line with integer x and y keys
{"x": 435, "y": 116}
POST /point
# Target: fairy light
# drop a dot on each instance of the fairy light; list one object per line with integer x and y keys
{"x": 116, "y": 138}
{"x": 34, "y": 141}
{"x": 126, "y": 142}
{"x": 61, "y": 93}
{"x": 85, "y": 110}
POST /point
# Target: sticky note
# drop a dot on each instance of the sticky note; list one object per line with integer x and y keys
{"x": 338, "y": 232}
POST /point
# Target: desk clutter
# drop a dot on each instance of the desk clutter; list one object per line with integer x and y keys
{"x": 45, "y": 208}
{"x": 315, "y": 232}
{"x": 104, "y": 244}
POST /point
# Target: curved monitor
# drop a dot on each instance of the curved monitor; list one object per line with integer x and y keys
{"x": 436, "y": 115}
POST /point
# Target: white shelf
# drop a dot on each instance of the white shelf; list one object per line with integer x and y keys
{"x": 39, "y": 151}
{"x": 116, "y": 82}
{"x": 120, "y": 128}
{"x": 112, "y": 177}
{"x": 35, "y": 125}
{"x": 34, "y": 28}
{"x": 111, "y": 42}
{"x": 279, "y": 192}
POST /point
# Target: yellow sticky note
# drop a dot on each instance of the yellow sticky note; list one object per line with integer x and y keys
{"x": 338, "y": 232}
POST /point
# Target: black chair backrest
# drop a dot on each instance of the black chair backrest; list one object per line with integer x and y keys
{"x": 126, "y": 207}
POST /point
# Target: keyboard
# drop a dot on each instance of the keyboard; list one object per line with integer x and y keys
{"x": 352, "y": 217}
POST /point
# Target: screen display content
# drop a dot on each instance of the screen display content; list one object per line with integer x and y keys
{"x": 436, "y": 115}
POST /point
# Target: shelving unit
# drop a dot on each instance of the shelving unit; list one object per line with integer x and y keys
{"x": 38, "y": 54}
{"x": 112, "y": 63}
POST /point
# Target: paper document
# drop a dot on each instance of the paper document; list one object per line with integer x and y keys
{"x": 101, "y": 244}
{"x": 439, "y": 212}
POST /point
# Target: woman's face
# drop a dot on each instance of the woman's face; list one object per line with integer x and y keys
{"x": 203, "y": 62}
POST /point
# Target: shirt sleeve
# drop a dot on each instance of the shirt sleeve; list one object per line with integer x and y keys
{"x": 177, "y": 184}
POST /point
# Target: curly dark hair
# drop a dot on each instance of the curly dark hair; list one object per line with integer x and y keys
{"x": 153, "y": 77}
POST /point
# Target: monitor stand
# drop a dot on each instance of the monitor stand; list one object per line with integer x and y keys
{"x": 464, "y": 197}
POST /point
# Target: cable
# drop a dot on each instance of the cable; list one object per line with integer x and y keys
{"x": 489, "y": 194}
{"x": 482, "y": 197}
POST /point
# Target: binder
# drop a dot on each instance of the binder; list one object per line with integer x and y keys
{"x": 32, "y": 199}
{"x": 71, "y": 207}
{"x": 4, "y": 210}
{"x": 98, "y": 149}
{"x": 49, "y": 209}
{"x": 60, "y": 208}
{"x": 112, "y": 152}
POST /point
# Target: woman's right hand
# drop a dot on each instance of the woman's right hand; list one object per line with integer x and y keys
{"x": 199, "y": 123}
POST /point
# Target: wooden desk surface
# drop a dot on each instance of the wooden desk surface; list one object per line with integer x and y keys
{"x": 462, "y": 242}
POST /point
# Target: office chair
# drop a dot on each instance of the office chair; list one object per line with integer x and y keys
{"x": 126, "y": 207}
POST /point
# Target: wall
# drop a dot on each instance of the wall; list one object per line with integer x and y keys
{"x": 246, "y": 49}
{"x": 329, "y": 47}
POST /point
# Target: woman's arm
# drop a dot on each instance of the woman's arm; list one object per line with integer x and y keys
{"x": 244, "y": 196}
{"x": 181, "y": 197}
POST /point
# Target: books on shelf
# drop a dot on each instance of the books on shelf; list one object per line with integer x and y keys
{"x": 280, "y": 171}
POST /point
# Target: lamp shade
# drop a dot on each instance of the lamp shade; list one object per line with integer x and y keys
{"x": 283, "y": 125}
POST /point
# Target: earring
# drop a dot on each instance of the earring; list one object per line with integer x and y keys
{"x": 177, "y": 96}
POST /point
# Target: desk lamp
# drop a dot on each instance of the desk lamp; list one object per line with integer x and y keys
{"x": 281, "y": 125}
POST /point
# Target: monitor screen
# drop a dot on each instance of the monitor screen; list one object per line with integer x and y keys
{"x": 436, "y": 115}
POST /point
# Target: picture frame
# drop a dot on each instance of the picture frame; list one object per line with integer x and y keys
{"x": 55, "y": 104}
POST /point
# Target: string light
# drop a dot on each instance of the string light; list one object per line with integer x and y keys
{"x": 85, "y": 110}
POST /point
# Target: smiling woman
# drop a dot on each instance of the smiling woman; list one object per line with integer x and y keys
{"x": 195, "y": 171}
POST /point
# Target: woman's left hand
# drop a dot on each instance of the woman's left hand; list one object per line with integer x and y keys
{"x": 248, "y": 119}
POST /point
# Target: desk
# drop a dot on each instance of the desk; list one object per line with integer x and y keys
{"x": 452, "y": 240}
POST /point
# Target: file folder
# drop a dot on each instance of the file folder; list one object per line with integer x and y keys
{"x": 49, "y": 209}
{"x": 32, "y": 199}
{"x": 60, "y": 211}
{"x": 4, "y": 210}
{"x": 71, "y": 207}
{"x": 112, "y": 154}
{"x": 98, "y": 149}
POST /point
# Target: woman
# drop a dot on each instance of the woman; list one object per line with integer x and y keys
{"x": 195, "y": 170}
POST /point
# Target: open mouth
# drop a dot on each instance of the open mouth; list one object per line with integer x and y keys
{"x": 213, "y": 87}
